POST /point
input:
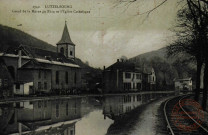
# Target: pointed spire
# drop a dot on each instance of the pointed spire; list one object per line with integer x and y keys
{"x": 65, "y": 39}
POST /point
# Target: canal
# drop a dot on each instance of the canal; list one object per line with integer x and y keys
{"x": 94, "y": 115}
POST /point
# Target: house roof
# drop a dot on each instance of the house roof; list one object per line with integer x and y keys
{"x": 130, "y": 66}
{"x": 124, "y": 66}
{"x": 65, "y": 39}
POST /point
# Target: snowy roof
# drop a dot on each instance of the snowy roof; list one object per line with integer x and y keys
{"x": 40, "y": 55}
{"x": 183, "y": 79}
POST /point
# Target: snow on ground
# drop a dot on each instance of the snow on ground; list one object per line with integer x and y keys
{"x": 147, "y": 123}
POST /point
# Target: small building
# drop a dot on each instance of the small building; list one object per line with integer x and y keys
{"x": 184, "y": 84}
{"x": 23, "y": 88}
{"x": 149, "y": 79}
{"x": 124, "y": 76}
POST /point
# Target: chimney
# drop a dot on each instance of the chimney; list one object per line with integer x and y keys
{"x": 117, "y": 60}
{"x": 103, "y": 67}
{"x": 20, "y": 59}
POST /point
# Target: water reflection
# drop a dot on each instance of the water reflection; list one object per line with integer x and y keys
{"x": 114, "y": 107}
{"x": 41, "y": 117}
{"x": 121, "y": 110}
{"x": 75, "y": 116}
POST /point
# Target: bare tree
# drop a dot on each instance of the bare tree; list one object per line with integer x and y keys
{"x": 191, "y": 33}
{"x": 199, "y": 8}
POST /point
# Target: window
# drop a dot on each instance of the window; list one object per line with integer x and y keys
{"x": 127, "y": 75}
{"x": 18, "y": 105}
{"x": 138, "y": 98}
{"x": 133, "y": 85}
{"x": 138, "y": 76}
{"x": 67, "y": 109}
{"x": 153, "y": 79}
{"x": 75, "y": 78}
{"x": 57, "y": 77}
{"x": 127, "y": 86}
{"x": 45, "y": 85}
{"x": 39, "y": 104}
{"x": 66, "y": 77}
{"x": 62, "y": 50}
{"x": 39, "y": 85}
{"x": 75, "y": 108}
{"x": 11, "y": 71}
{"x": 71, "y": 132}
{"x": 57, "y": 110}
{"x": 45, "y": 74}
{"x": 71, "y": 53}
{"x": 17, "y": 86}
{"x": 5, "y": 82}
{"x": 139, "y": 86}
{"x": 129, "y": 97}
{"x": 124, "y": 99}
{"x": 30, "y": 88}
{"x": 39, "y": 74}
{"x": 45, "y": 103}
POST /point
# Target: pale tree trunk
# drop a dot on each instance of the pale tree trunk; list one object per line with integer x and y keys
{"x": 204, "y": 100}
{"x": 198, "y": 75}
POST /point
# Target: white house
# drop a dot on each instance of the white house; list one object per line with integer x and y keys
{"x": 183, "y": 84}
{"x": 132, "y": 80}
{"x": 152, "y": 77}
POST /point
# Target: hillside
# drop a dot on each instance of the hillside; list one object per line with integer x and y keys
{"x": 10, "y": 36}
{"x": 157, "y": 53}
{"x": 167, "y": 69}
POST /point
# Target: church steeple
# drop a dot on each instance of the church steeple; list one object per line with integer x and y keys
{"x": 65, "y": 45}
{"x": 65, "y": 39}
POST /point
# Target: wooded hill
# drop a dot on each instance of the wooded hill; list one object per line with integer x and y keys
{"x": 166, "y": 69}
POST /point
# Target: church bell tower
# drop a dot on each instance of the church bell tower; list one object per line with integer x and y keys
{"x": 65, "y": 46}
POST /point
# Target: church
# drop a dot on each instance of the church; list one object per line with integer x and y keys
{"x": 37, "y": 70}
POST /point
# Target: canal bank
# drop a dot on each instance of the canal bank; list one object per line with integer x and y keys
{"x": 143, "y": 120}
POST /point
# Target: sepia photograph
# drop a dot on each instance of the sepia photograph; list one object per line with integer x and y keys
{"x": 103, "y": 67}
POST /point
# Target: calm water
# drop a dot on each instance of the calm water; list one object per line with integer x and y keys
{"x": 74, "y": 116}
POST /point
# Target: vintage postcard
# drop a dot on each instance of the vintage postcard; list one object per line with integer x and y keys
{"x": 103, "y": 67}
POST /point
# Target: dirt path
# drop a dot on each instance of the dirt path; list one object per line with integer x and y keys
{"x": 148, "y": 119}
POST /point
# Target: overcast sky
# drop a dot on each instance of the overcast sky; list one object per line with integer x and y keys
{"x": 101, "y": 36}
